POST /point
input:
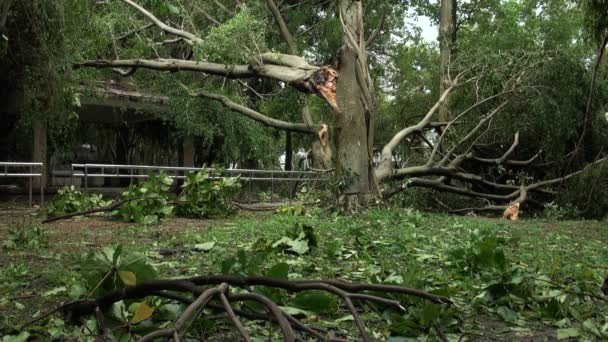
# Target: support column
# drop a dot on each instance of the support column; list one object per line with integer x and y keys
{"x": 39, "y": 147}
{"x": 189, "y": 150}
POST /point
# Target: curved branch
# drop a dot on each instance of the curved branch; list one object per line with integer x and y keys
{"x": 504, "y": 157}
{"x": 376, "y": 32}
{"x": 172, "y": 30}
{"x": 524, "y": 162}
{"x": 404, "y": 133}
{"x": 523, "y": 196}
{"x": 259, "y": 117}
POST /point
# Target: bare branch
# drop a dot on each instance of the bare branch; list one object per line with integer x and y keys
{"x": 376, "y": 32}
{"x": 524, "y": 162}
{"x": 522, "y": 198}
{"x": 261, "y": 118}
{"x": 207, "y": 15}
{"x": 481, "y": 123}
{"x": 282, "y": 27}
{"x": 171, "y": 30}
{"x": 224, "y": 8}
{"x": 385, "y": 167}
{"x": 291, "y": 75}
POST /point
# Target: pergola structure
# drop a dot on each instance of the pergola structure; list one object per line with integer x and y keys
{"x": 104, "y": 102}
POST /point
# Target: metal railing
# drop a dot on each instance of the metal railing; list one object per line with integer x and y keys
{"x": 132, "y": 172}
{"x": 31, "y": 170}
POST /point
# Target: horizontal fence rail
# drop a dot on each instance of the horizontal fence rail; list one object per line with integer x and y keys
{"x": 134, "y": 172}
{"x": 25, "y": 170}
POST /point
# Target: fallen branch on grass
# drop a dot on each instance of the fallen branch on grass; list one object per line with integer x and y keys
{"x": 109, "y": 208}
{"x": 218, "y": 297}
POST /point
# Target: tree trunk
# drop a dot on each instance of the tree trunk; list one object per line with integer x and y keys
{"x": 447, "y": 39}
{"x": 354, "y": 122}
{"x": 288, "y": 151}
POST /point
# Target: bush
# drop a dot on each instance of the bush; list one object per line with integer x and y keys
{"x": 69, "y": 200}
{"x": 26, "y": 236}
{"x": 204, "y": 195}
{"x": 148, "y": 202}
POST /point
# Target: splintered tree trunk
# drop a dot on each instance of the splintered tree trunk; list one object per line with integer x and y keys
{"x": 354, "y": 122}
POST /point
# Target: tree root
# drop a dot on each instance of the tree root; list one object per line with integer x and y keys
{"x": 219, "y": 297}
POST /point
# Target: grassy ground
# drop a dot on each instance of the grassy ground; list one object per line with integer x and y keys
{"x": 529, "y": 280}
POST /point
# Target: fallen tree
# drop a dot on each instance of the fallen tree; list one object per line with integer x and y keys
{"x": 347, "y": 88}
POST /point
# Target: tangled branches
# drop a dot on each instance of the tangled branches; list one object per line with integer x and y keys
{"x": 192, "y": 292}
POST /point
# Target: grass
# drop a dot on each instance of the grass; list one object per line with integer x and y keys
{"x": 525, "y": 280}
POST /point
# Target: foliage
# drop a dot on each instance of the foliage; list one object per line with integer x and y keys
{"x": 295, "y": 210}
{"x": 301, "y": 239}
{"x": 147, "y": 202}
{"x": 243, "y": 30}
{"x": 553, "y": 210}
{"x": 585, "y": 195}
{"x": 69, "y": 200}
{"x": 509, "y": 280}
{"x": 205, "y": 194}
{"x": 113, "y": 268}
{"x": 26, "y": 236}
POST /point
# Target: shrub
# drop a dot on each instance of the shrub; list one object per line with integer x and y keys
{"x": 148, "y": 202}
{"x": 204, "y": 195}
{"x": 26, "y": 236}
{"x": 69, "y": 200}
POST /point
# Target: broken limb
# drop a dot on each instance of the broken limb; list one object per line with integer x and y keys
{"x": 219, "y": 298}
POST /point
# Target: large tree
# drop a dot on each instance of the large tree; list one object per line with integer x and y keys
{"x": 347, "y": 85}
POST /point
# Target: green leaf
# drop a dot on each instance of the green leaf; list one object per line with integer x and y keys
{"x": 279, "y": 271}
{"x": 205, "y": 247}
{"x": 22, "y": 337}
{"x": 563, "y": 334}
{"x": 592, "y": 327}
{"x": 507, "y": 314}
{"x": 173, "y": 9}
{"x": 345, "y": 318}
{"x": 296, "y": 311}
{"x": 54, "y": 291}
{"x": 315, "y": 301}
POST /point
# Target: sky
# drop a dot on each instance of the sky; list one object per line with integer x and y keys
{"x": 429, "y": 31}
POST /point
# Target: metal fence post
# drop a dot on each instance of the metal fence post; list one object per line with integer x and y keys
{"x": 86, "y": 178}
{"x": 249, "y": 195}
{"x": 42, "y": 178}
{"x": 271, "y": 186}
{"x": 31, "y": 172}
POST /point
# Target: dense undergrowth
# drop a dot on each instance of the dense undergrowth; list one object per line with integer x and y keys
{"x": 525, "y": 280}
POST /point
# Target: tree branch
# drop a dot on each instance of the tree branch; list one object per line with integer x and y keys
{"x": 259, "y": 117}
{"x": 297, "y": 77}
{"x": 376, "y": 32}
{"x": 282, "y": 27}
{"x": 74, "y": 312}
{"x": 172, "y": 30}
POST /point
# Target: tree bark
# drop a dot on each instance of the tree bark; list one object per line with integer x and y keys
{"x": 354, "y": 123}
{"x": 288, "y": 151}
{"x": 447, "y": 39}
